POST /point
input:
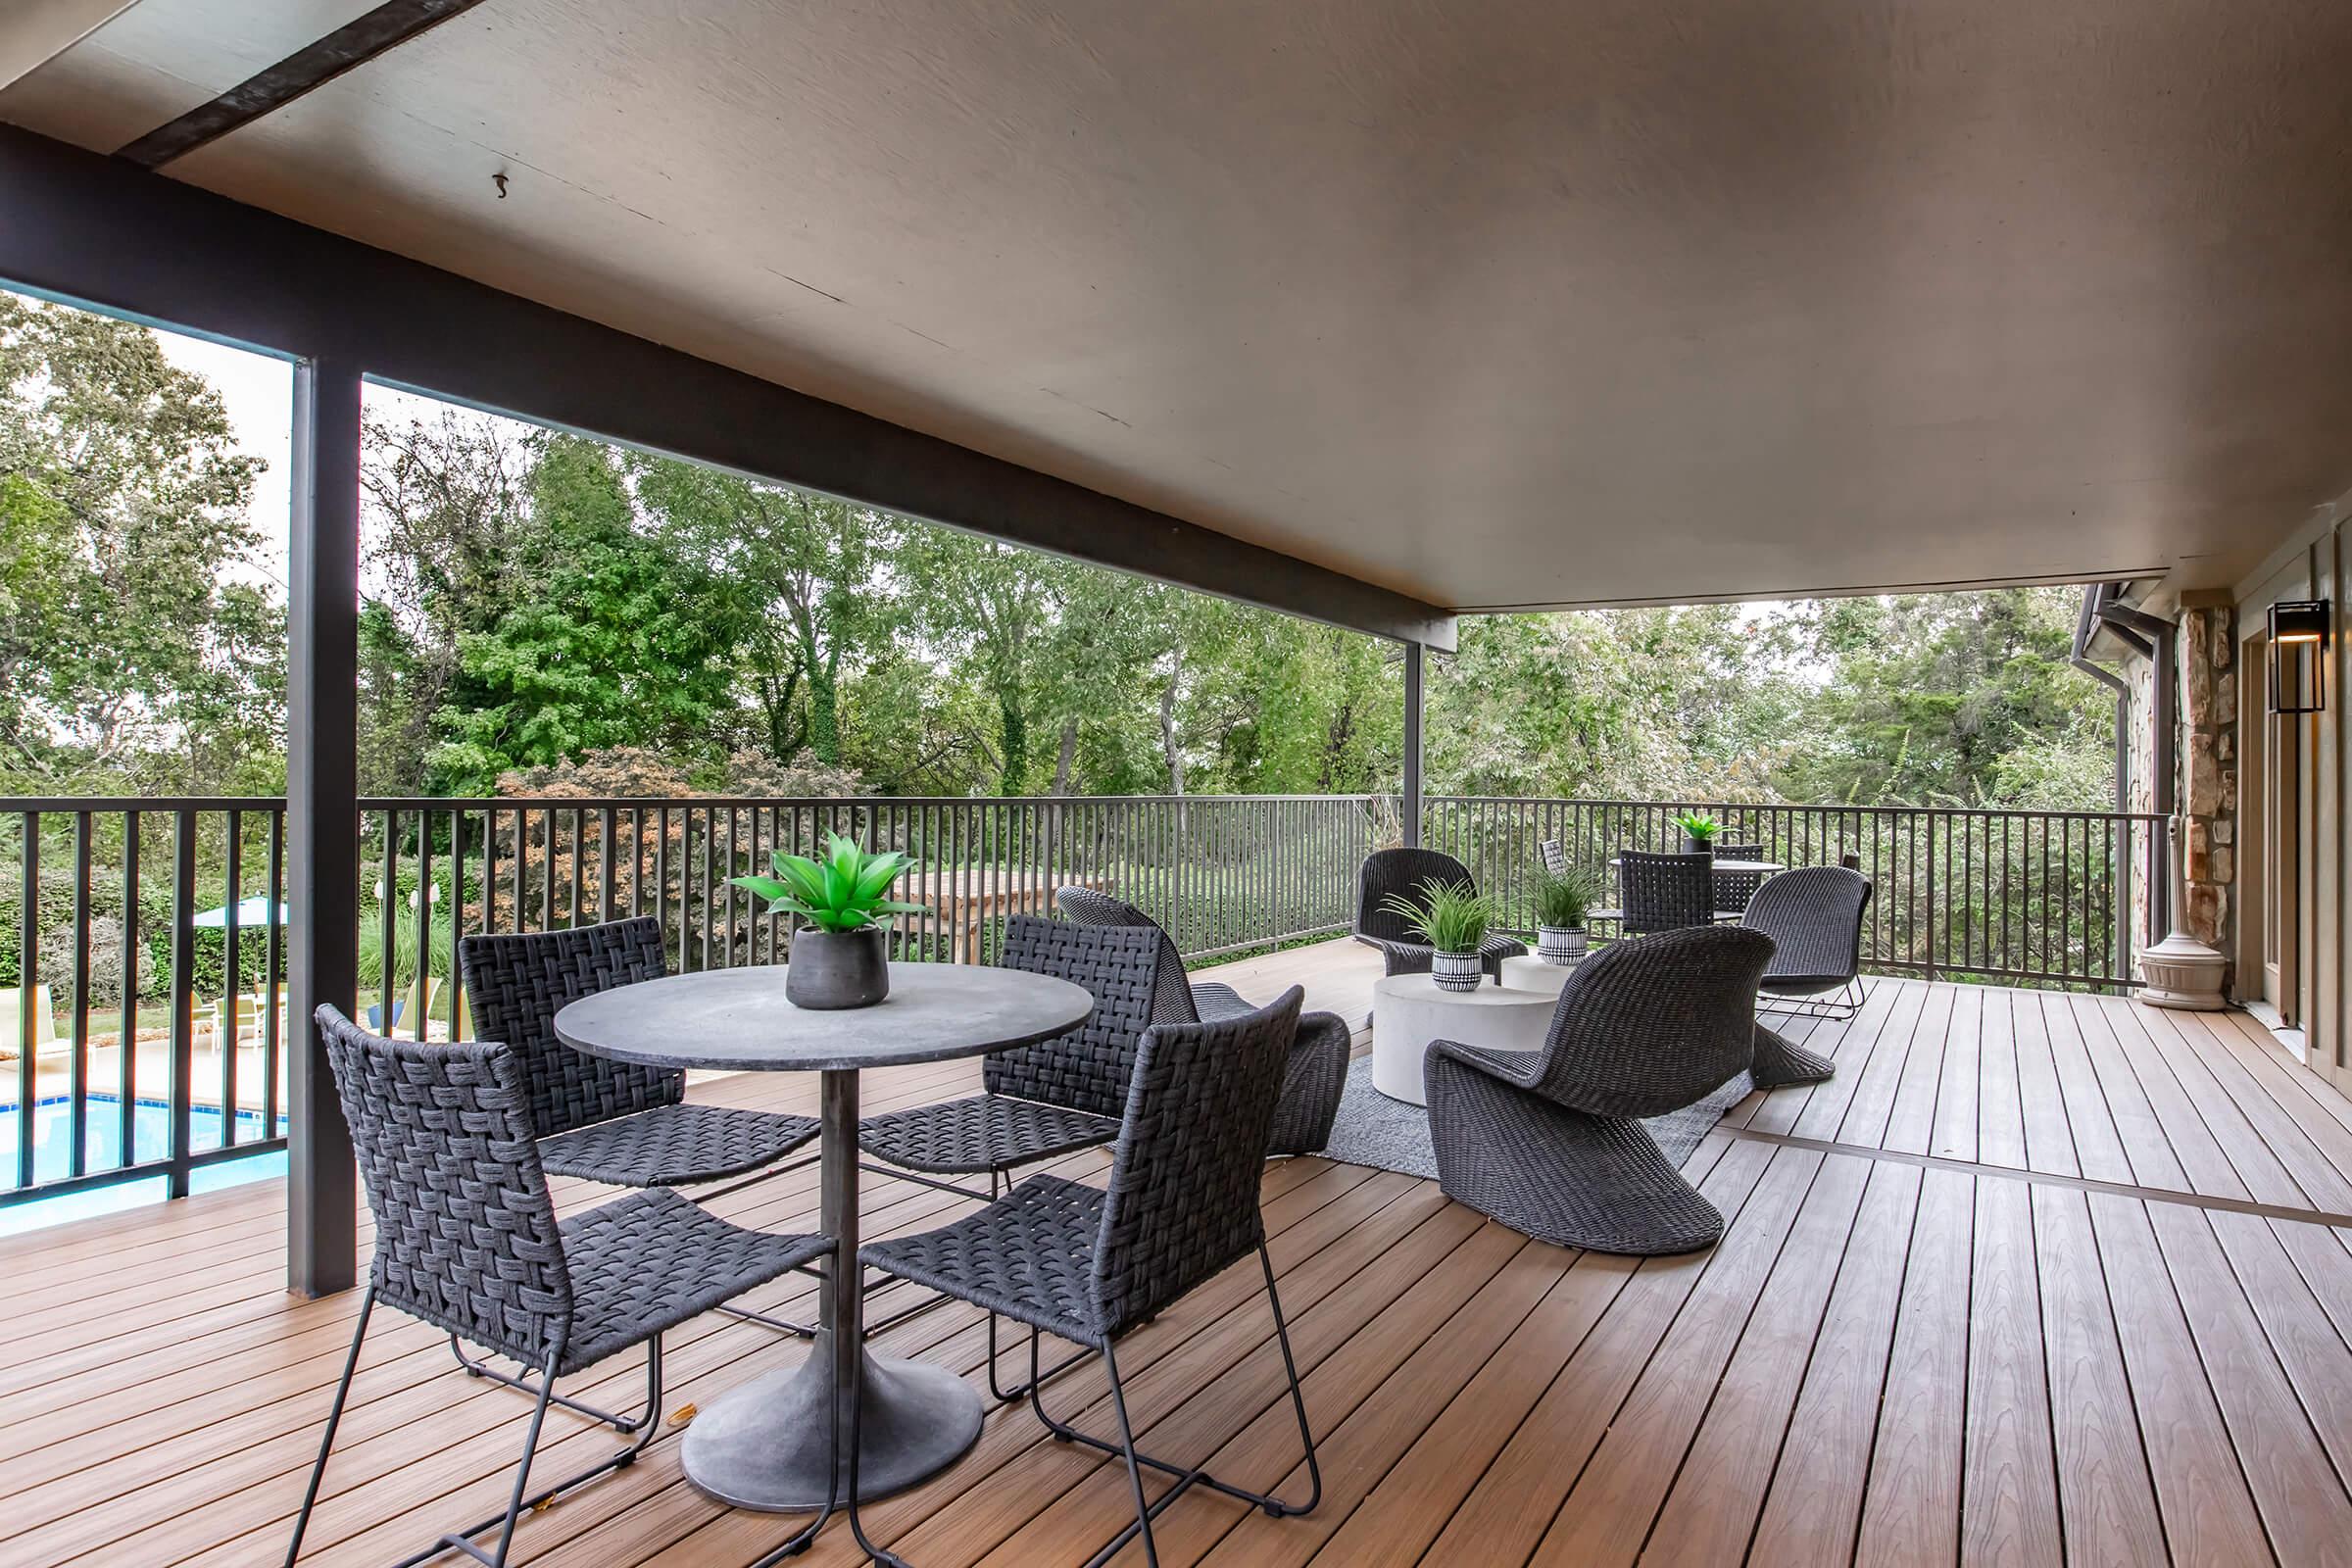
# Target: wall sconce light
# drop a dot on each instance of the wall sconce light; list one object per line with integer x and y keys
{"x": 2298, "y": 654}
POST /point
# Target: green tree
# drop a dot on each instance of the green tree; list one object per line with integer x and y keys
{"x": 139, "y": 648}
{"x": 990, "y": 605}
{"x": 621, "y": 642}
{"x": 809, "y": 563}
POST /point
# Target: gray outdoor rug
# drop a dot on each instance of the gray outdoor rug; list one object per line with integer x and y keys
{"x": 1371, "y": 1129}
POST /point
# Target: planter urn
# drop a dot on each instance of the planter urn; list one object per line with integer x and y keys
{"x": 831, "y": 970}
{"x": 1560, "y": 944}
{"x": 1456, "y": 971}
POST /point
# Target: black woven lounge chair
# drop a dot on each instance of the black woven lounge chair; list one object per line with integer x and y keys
{"x": 1317, "y": 1073}
{"x": 1549, "y": 1142}
{"x": 1814, "y": 917}
{"x": 1087, "y": 1264}
{"x": 467, "y": 1239}
{"x": 1389, "y": 874}
{"x": 1732, "y": 889}
{"x": 1037, "y": 1101}
{"x": 608, "y": 1121}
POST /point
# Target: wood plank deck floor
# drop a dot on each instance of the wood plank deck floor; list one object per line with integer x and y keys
{"x": 2037, "y": 1278}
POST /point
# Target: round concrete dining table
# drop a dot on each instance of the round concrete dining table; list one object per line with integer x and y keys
{"x": 768, "y": 1443}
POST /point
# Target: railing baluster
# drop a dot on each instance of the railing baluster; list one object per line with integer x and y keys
{"x": 180, "y": 1138}
{"x": 232, "y": 982}
{"x": 77, "y": 1069}
{"x": 28, "y": 980}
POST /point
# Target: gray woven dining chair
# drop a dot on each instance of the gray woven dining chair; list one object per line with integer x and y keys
{"x": 1550, "y": 1141}
{"x": 467, "y": 1239}
{"x": 1087, "y": 1264}
{"x": 1814, "y": 916}
{"x": 1037, "y": 1101}
{"x": 1317, "y": 1073}
{"x": 1403, "y": 873}
{"x": 609, "y": 1121}
{"x": 1732, "y": 889}
{"x": 1664, "y": 891}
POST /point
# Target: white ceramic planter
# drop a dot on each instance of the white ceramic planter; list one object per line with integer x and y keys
{"x": 1456, "y": 971}
{"x": 1560, "y": 944}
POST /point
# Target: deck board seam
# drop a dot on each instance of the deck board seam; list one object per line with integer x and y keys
{"x": 2080, "y": 1183}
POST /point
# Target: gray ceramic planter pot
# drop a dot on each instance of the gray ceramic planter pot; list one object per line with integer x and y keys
{"x": 830, "y": 970}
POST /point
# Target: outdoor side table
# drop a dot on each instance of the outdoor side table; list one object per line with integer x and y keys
{"x": 1410, "y": 1010}
{"x": 766, "y": 1443}
{"x": 1525, "y": 973}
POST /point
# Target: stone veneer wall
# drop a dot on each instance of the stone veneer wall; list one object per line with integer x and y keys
{"x": 2209, "y": 768}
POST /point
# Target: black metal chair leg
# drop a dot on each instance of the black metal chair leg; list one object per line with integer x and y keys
{"x": 335, "y": 1418}
{"x": 1020, "y": 1391}
{"x": 782, "y": 1324}
{"x": 881, "y": 1555}
{"x": 517, "y": 1499}
{"x": 1135, "y": 1474}
{"x": 483, "y": 1369}
{"x": 1289, "y": 1367}
{"x": 647, "y": 1429}
{"x": 1188, "y": 1477}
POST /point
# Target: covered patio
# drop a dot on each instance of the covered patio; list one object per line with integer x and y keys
{"x": 1378, "y": 316}
{"x": 2036, "y": 1277}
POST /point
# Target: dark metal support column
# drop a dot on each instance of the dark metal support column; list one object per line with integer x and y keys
{"x": 322, "y": 843}
{"x": 1414, "y": 655}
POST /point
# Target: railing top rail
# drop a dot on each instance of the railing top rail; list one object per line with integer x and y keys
{"x": 1829, "y": 808}
{"x": 142, "y": 802}
{"x": 442, "y": 803}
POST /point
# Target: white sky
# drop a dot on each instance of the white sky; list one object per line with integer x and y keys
{"x": 258, "y": 392}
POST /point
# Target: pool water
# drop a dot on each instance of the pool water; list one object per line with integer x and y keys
{"x": 151, "y": 1138}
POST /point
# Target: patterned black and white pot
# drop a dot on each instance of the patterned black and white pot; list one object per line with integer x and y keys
{"x": 1456, "y": 971}
{"x": 1561, "y": 945}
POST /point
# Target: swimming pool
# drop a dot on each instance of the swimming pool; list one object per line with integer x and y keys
{"x": 150, "y": 1139}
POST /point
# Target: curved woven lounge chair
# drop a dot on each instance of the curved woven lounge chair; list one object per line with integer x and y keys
{"x": 1814, "y": 917}
{"x": 1088, "y": 1264}
{"x": 1389, "y": 873}
{"x": 1317, "y": 1073}
{"x": 608, "y": 1121}
{"x": 467, "y": 1239}
{"x": 1548, "y": 1141}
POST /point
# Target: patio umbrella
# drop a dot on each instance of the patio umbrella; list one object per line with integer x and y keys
{"x": 256, "y": 910}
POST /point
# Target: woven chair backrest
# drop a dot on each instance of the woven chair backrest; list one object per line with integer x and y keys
{"x": 1665, "y": 892}
{"x": 1172, "y": 995}
{"x": 465, "y": 1234}
{"x": 1086, "y": 1069}
{"x": 1732, "y": 889}
{"x": 515, "y": 982}
{"x": 1814, "y": 917}
{"x": 1650, "y": 1024}
{"x": 1389, "y": 874}
{"x": 1555, "y": 857}
{"x": 1181, "y": 1202}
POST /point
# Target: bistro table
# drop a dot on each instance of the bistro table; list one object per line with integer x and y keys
{"x": 768, "y": 1443}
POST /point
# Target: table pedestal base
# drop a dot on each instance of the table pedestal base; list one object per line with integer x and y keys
{"x": 767, "y": 1444}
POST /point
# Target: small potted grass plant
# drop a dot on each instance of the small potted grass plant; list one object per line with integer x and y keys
{"x": 1453, "y": 920}
{"x": 840, "y": 957}
{"x": 1698, "y": 832}
{"x": 1562, "y": 900}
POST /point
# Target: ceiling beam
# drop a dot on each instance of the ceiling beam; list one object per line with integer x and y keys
{"x": 37, "y": 31}
{"x": 92, "y": 229}
{"x": 271, "y": 89}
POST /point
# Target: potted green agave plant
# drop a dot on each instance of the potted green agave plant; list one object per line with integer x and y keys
{"x": 840, "y": 958}
{"x": 1453, "y": 920}
{"x": 1562, "y": 900}
{"x": 1698, "y": 832}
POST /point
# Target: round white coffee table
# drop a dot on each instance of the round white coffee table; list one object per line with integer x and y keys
{"x": 1410, "y": 1010}
{"x": 1525, "y": 973}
